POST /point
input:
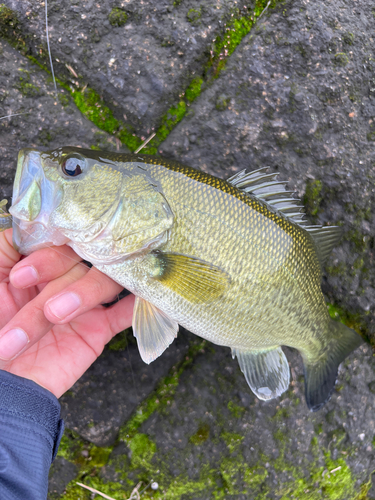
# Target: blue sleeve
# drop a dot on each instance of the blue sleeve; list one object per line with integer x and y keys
{"x": 30, "y": 433}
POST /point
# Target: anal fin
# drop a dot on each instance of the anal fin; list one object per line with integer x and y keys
{"x": 153, "y": 329}
{"x": 266, "y": 372}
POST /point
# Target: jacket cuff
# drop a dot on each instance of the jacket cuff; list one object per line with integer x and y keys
{"x": 33, "y": 404}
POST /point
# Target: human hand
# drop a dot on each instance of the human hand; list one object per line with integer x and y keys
{"x": 52, "y": 326}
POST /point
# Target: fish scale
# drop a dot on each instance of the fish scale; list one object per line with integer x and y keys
{"x": 232, "y": 261}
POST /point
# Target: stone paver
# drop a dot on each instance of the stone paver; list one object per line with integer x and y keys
{"x": 298, "y": 95}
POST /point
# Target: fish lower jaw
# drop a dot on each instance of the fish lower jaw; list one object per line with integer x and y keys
{"x": 31, "y": 236}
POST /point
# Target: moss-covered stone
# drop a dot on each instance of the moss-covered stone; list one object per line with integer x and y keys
{"x": 25, "y": 86}
{"x": 194, "y": 15}
{"x": 117, "y": 17}
{"x": 8, "y": 20}
{"x": 348, "y": 38}
{"x": 194, "y": 89}
{"x": 341, "y": 59}
{"x": 201, "y": 435}
{"x": 313, "y": 196}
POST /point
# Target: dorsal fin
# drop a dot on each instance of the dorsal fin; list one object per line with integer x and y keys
{"x": 325, "y": 239}
{"x": 267, "y": 188}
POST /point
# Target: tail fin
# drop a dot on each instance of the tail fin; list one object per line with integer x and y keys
{"x": 320, "y": 376}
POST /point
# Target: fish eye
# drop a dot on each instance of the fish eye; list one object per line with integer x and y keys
{"x": 72, "y": 166}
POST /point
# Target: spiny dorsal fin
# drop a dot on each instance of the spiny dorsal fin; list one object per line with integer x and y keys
{"x": 267, "y": 188}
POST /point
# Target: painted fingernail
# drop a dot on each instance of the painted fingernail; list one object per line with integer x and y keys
{"x": 25, "y": 276}
{"x": 64, "y": 305}
{"x": 12, "y": 343}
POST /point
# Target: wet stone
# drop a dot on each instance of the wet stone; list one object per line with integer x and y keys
{"x": 61, "y": 473}
{"x": 215, "y": 436}
{"x": 139, "y": 55}
{"x": 111, "y": 389}
{"x": 45, "y": 120}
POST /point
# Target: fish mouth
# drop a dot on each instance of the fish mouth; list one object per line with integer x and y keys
{"x": 34, "y": 198}
{"x": 28, "y": 237}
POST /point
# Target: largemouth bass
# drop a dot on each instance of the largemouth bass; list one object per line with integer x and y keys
{"x": 233, "y": 261}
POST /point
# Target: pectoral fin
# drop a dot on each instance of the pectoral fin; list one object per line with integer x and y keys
{"x": 194, "y": 279}
{"x": 266, "y": 372}
{"x": 153, "y": 329}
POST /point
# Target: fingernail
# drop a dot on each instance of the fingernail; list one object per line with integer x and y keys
{"x": 64, "y": 305}
{"x": 12, "y": 343}
{"x": 25, "y": 276}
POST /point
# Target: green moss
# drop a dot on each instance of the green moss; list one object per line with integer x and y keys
{"x": 222, "y": 103}
{"x": 232, "y": 440}
{"x": 173, "y": 116}
{"x": 236, "y": 410}
{"x": 119, "y": 342}
{"x": 64, "y": 99}
{"x": 351, "y": 320}
{"x": 313, "y": 196}
{"x": 194, "y": 89}
{"x": 25, "y": 86}
{"x": 348, "y": 38}
{"x": 334, "y": 480}
{"x": 92, "y": 106}
{"x": 67, "y": 448}
{"x": 162, "y": 395}
{"x": 99, "y": 456}
{"x": 371, "y": 134}
{"x": 341, "y": 59}
{"x": 76, "y": 492}
{"x": 356, "y": 236}
{"x": 117, "y": 17}
{"x": 201, "y": 435}
{"x": 142, "y": 450}
{"x": 236, "y": 29}
{"x": 194, "y": 15}
{"x": 8, "y": 20}
{"x": 318, "y": 428}
{"x": 282, "y": 414}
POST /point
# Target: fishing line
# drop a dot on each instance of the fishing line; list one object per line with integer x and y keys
{"x": 49, "y": 49}
{"x": 132, "y": 372}
{"x": 15, "y": 114}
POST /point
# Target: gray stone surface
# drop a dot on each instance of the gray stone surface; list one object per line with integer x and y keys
{"x": 49, "y": 121}
{"x": 110, "y": 391}
{"x": 61, "y": 473}
{"x": 298, "y": 96}
{"x": 140, "y": 67}
{"x": 217, "y": 440}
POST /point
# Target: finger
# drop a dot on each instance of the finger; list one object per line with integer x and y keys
{"x": 99, "y": 325}
{"x": 120, "y": 315}
{"x": 43, "y": 265}
{"x": 83, "y": 295}
{"x": 29, "y": 325}
{"x": 8, "y": 255}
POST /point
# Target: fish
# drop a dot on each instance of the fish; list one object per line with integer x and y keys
{"x": 233, "y": 261}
